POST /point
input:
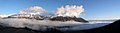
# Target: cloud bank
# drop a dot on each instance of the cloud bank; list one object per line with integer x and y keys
{"x": 43, "y": 25}
{"x": 71, "y": 11}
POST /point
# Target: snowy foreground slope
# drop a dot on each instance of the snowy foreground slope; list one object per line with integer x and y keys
{"x": 43, "y": 25}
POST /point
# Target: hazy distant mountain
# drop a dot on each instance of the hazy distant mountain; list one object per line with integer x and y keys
{"x": 3, "y": 16}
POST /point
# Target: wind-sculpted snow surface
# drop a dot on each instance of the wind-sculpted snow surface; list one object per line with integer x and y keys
{"x": 43, "y": 25}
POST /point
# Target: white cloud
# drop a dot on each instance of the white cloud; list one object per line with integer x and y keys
{"x": 36, "y": 10}
{"x": 70, "y": 11}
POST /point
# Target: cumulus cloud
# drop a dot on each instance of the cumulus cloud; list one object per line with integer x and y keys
{"x": 36, "y": 9}
{"x": 33, "y": 11}
{"x": 70, "y": 11}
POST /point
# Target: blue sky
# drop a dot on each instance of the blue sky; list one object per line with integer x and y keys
{"x": 93, "y": 8}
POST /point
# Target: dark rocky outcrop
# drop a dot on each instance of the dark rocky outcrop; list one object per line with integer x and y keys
{"x": 60, "y": 18}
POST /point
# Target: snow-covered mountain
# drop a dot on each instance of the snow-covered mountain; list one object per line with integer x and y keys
{"x": 57, "y": 18}
{"x": 39, "y": 13}
{"x": 35, "y": 12}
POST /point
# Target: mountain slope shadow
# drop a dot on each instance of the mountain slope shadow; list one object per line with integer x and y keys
{"x": 113, "y": 27}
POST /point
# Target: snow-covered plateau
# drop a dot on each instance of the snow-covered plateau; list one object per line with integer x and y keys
{"x": 43, "y": 25}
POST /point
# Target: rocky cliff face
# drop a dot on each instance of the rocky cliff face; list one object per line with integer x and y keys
{"x": 60, "y": 18}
